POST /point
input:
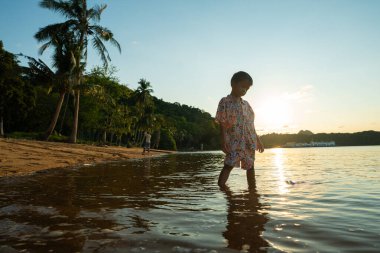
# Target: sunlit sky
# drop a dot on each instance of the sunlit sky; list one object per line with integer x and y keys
{"x": 315, "y": 64}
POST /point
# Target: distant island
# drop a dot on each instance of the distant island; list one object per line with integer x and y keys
{"x": 311, "y": 144}
{"x": 305, "y": 138}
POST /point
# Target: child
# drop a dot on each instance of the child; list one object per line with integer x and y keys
{"x": 147, "y": 138}
{"x": 238, "y": 135}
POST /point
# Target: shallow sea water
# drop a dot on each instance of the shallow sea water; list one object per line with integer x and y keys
{"x": 303, "y": 200}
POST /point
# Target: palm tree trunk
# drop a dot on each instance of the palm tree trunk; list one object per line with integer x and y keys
{"x": 104, "y": 138}
{"x": 83, "y": 34}
{"x": 54, "y": 120}
{"x": 1, "y": 125}
{"x": 111, "y": 137}
{"x": 141, "y": 139}
{"x": 137, "y": 141}
{"x": 64, "y": 113}
{"x": 74, "y": 131}
{"x": 135, "y": 136}
{"x": 73, "y": 137}
{"x": 158, "y": 139}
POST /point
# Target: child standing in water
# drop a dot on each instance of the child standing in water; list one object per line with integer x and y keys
{"x": 238, "y": 135}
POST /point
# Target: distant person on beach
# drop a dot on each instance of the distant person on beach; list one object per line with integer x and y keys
{"x": 147, "y": 138}
{"x": 238, "y": 134}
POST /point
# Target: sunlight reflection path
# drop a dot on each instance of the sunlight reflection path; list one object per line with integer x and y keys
{"x": 279, "y": 172}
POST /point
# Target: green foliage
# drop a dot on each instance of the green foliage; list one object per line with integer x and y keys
{"x": 38, "y": 118}
{"x": 17, "y": 95}
{"x": 113, "y": 113}
{"x": 25, "y": 135}
{"x": 105, "y": 104}
{"x": 190, "y": 126}
{"x": 58, "y": 138}
{"x": 35, "y": 136}
{"x": 167, "y": 140}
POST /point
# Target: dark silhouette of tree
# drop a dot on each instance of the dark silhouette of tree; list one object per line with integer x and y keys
{"x": 17, "y": 96}
{"x": 82, "y": 25}
{"x": 61, "y": 77}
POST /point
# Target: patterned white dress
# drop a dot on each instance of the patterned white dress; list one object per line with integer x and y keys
{"x": 237, "y": 118}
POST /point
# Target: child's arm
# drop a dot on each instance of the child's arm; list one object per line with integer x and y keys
{"x": 222, "y": 139}
{"x": 221, "y": 119}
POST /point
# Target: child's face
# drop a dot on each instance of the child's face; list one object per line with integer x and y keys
{"x": 240, "y": 88}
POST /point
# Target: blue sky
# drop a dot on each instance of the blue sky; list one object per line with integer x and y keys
{"x": 315, "y": 64}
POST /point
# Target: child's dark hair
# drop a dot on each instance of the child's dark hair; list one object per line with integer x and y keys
{"x": 240, "y": 76}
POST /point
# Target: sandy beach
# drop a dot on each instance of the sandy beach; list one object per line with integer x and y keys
{"x": 21, "y": 157}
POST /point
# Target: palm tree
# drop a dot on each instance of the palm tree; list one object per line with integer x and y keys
{"x": 159, "y": 123}
{"x": 59, "y": 79}
{"x": 82, "y": 24}
{"x": 143, "y": 94}
{"x": 145, "y": 108}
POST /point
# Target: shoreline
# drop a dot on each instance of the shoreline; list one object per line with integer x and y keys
{"x": 21, "y": 157}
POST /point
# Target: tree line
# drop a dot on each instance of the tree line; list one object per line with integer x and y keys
{"x": 111, "y": 112}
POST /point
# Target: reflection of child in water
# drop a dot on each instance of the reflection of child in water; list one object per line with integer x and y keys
{"x": 245, "y": 222}
{"x": 238, "y": 134}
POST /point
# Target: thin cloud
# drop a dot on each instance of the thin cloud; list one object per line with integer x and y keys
{"x": 304, "y": 93}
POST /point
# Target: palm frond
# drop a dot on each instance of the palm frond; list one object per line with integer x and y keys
{"x": 42, "y": 49}
{"x": 101, "y": 31}
{"x": 50, "y": 31}
{"x": 105, "y": 34}
{"x": 40, "y": 73}
{"x": 101, "y": 49}
{"x": 62, "y": 7}
{"x": 70, "y": 39}
{"x": 95, "y": 12}
{"x": 79, "y": 8}
{"x": 47, "y": 33}
{"x": 116, "y": 44}
{"x": 38, "y": 65}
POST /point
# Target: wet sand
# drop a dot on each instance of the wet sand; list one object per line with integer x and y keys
{"x": 22, "y": 157}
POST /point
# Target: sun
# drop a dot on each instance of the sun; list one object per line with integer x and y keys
{"x": 274, "y": 115}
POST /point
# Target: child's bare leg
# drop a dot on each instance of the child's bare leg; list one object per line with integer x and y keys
{"x": 224, "y": 174}
{"x": 251, "y": 179}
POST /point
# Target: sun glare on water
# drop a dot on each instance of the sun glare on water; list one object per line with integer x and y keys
{"x": 279, "y": 172}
